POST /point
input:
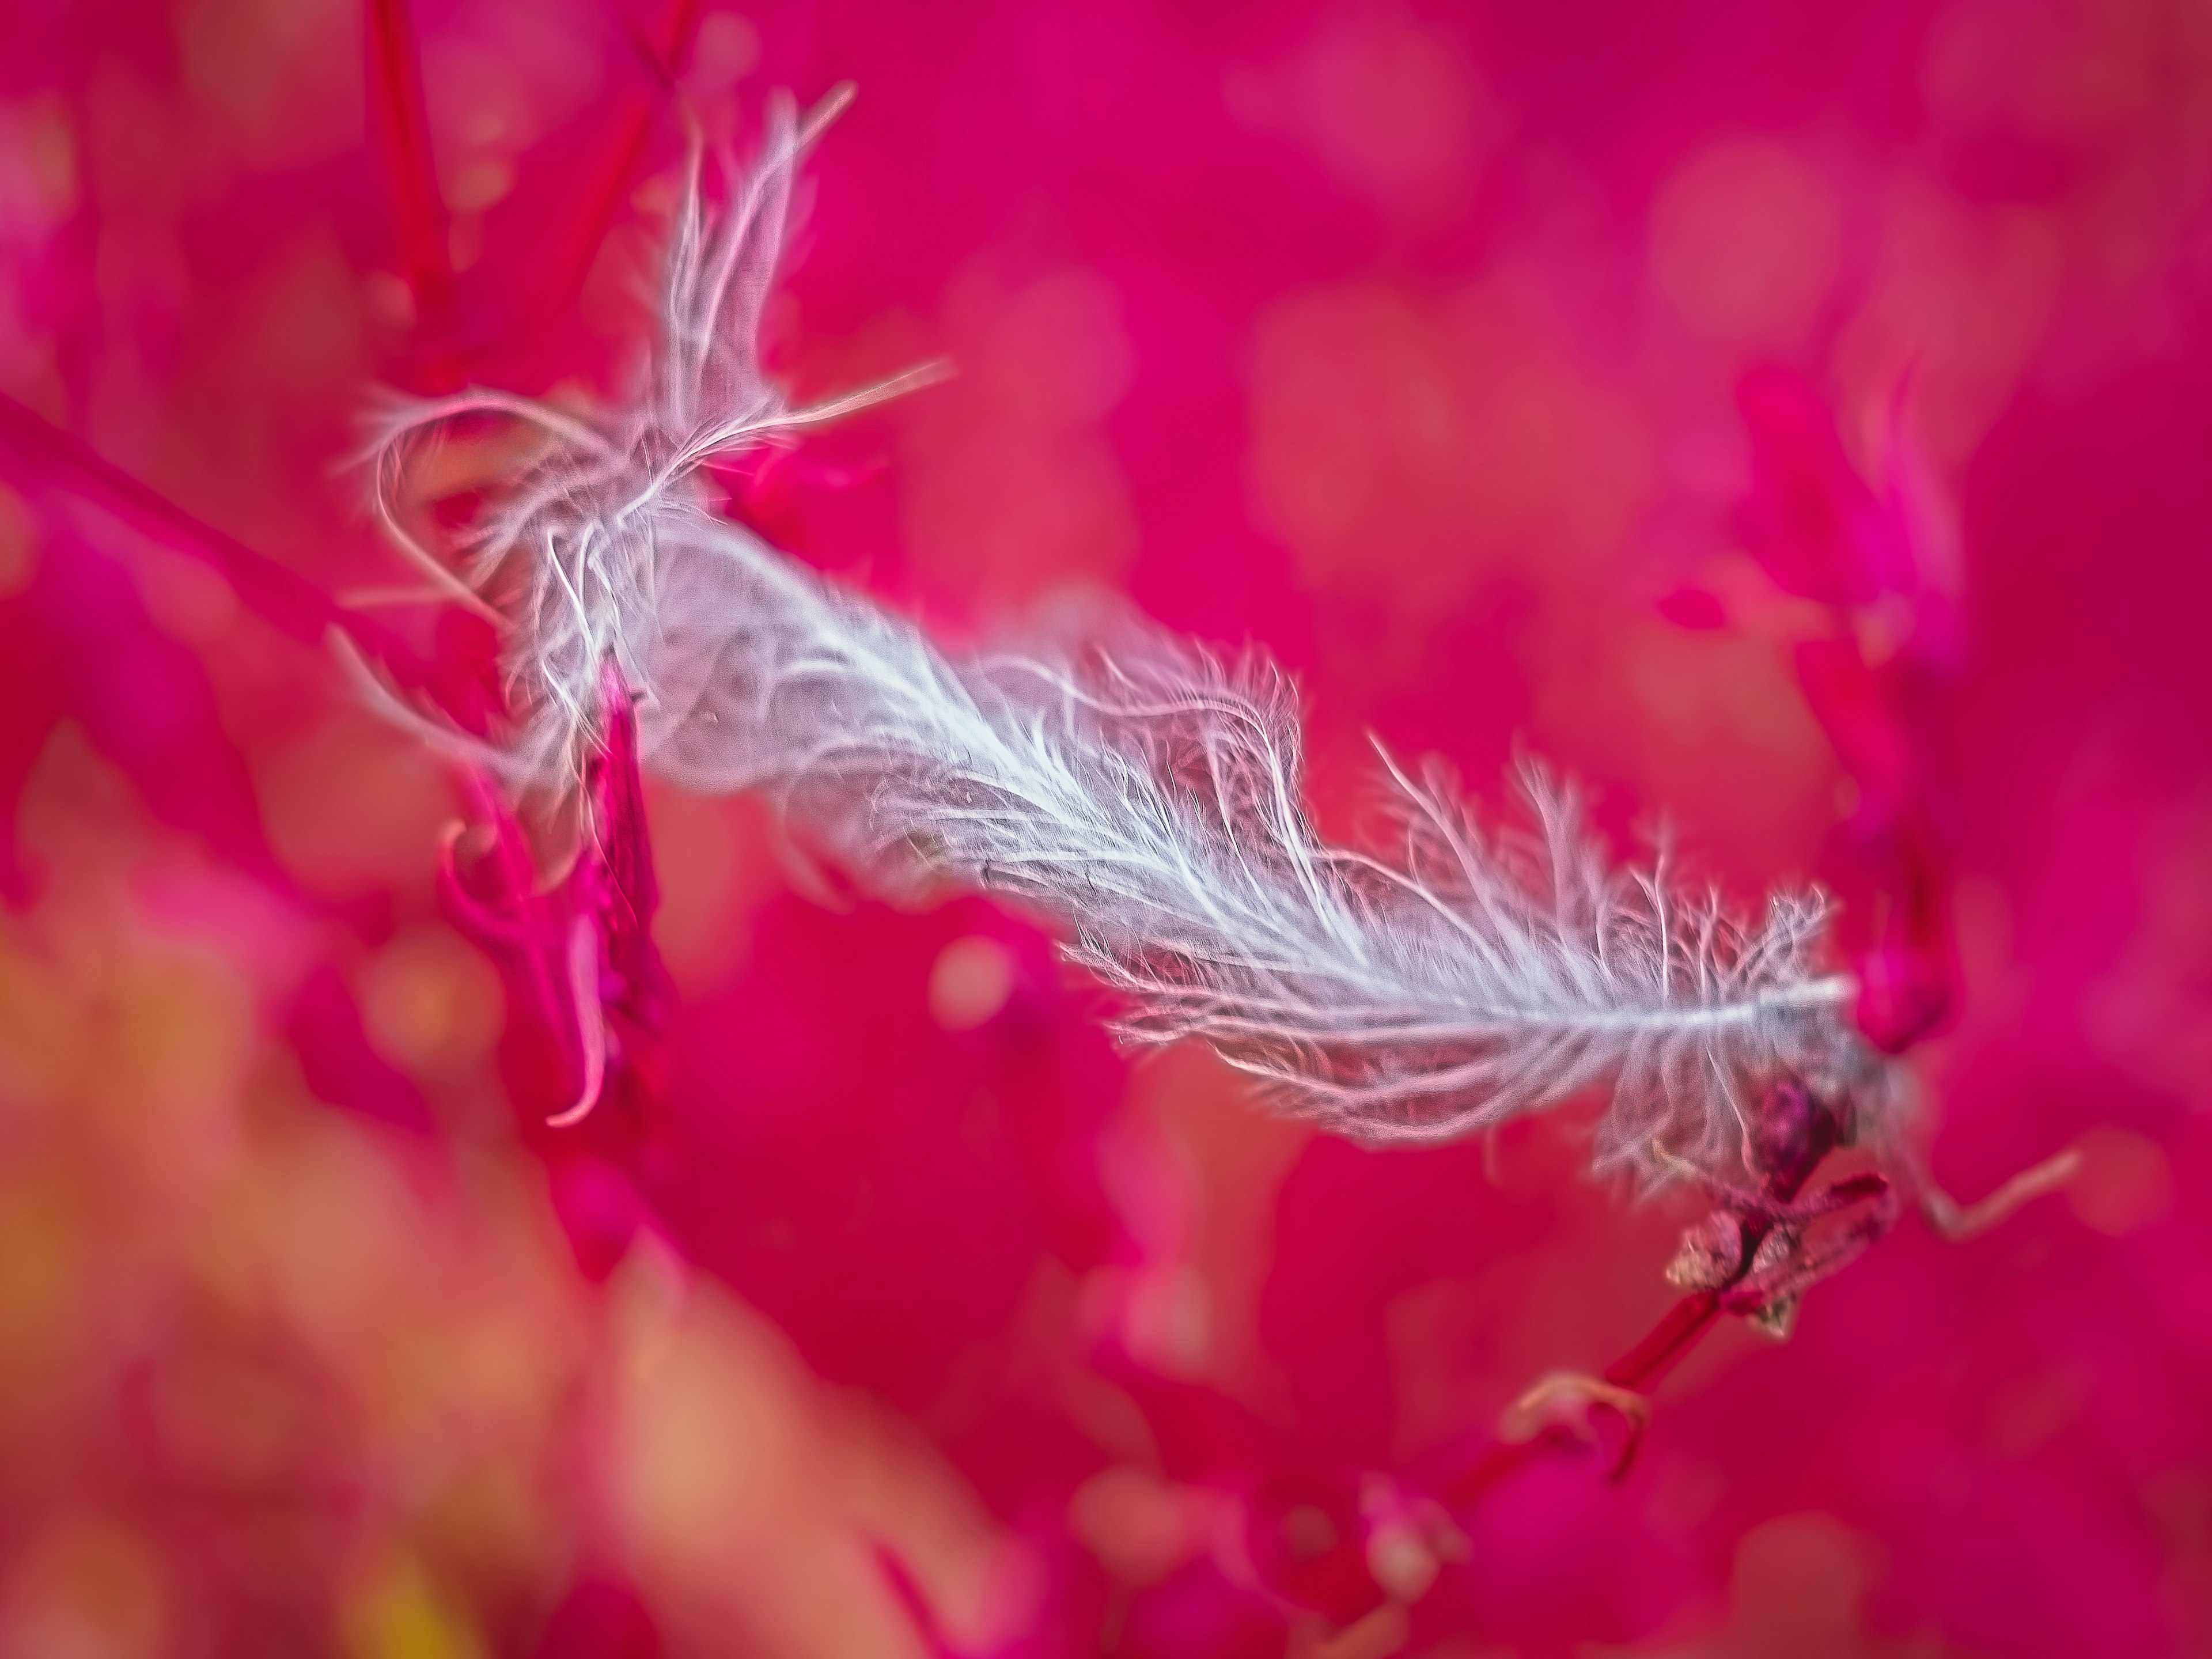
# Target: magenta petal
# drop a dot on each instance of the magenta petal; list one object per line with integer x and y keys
{"x": 1197, "y": 1613}
{"x": 599, "y": 1618}
{"x": 1903, "y": 996}
{"x": 1846, "y": 698}
{"x": 1308, "y": 1540}
{"x": 495, "y": 928}
{"x": 627, "y": 893}
{"x": 599, "y": 1208}
{"x": 1693, "y": 608}
{"x": 1811, "y": 522}
{"x": 336, "y": 1062}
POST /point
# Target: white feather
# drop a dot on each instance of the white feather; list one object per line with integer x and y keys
{"x": 573, "y": 550}
{"x": 1148, "y": 799}
{"x": 1151, "y": 800}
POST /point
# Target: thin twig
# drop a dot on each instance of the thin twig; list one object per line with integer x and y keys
{"x": 1952, "y": 1220}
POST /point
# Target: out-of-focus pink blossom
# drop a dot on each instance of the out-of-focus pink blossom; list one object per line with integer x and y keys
{"x": 1874, "y": 677}
{"x": 1403, "y": 339}
{"x": 587, "y": 996}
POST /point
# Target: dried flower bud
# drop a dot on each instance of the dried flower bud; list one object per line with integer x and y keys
{"x": 1778, "y": 1249}
{"x": 1792, "y": 1129}
{"x": 1711, "y": 1253}
{"x": 1777, "y": 1319}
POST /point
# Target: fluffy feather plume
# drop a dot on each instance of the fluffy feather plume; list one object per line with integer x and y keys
{"x": 1149, "y": 798}
{"x": 1150, "y": 801}
{"x": 573, "y": 559}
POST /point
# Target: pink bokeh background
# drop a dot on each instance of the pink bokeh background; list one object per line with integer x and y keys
{"x": 1465, "y": 359}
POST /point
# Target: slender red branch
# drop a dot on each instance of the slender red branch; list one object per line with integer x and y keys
{"x": 602, "y": 192}
{"x": 1680, "y": 1329}
{"x": 1795, "y": 1135}
{"x": 395, "y": 77}
{"x": 37, "y": 455}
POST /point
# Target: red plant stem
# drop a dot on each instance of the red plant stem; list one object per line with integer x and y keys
{"x": 567, "y": 269}
{"x": 37, "y": 456}
{"x": 519, "y": 875}
{"x": 1663, "y": 1346}
{"x": 1678, "y": 1330}
{"x": 396, "y": 74}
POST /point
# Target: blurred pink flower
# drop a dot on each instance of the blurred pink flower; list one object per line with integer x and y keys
{"x": 1873, "y": 678}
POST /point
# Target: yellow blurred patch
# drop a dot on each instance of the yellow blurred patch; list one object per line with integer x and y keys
{"x": 398, "y": 1613}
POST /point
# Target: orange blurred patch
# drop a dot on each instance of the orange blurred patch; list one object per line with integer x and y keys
{"x": 1800, "y": 1581}
{"x": 969, "y": 982}
{"x": 1962, "y": 298}
{"x": 1142, "y": 1526}
{"x": 751, "y": 1499}
{"x": 352, "y": 806}
{"x": 1194, "y": 1167}
{"x": 2125, "y": 1182}
{"x": 90, "y": 1586}
{"x": 1407, "y": 445}
{"x": 275, "y": 74}
{"x": 717, "y": 863}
